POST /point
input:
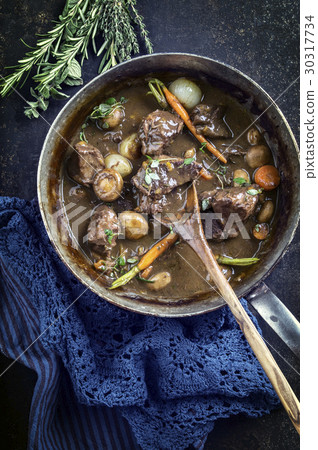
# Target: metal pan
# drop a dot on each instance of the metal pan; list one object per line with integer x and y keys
{"x": 250, "y": 95}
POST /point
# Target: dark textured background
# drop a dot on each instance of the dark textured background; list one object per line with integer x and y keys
{"x": 259, "y": 38}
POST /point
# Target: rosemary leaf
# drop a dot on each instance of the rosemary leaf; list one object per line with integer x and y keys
{"x": 58, "y": 55}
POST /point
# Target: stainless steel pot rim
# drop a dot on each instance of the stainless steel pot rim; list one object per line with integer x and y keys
{"x": 132, "y": 307}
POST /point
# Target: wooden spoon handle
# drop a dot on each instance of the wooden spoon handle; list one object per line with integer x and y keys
{"x": 275, "y": 375}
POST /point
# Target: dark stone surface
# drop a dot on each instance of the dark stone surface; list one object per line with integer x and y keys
{"x": 259, "y": 38}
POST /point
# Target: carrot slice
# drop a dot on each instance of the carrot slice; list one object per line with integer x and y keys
{"x": 100, "y": 265}
{"x": 260, "y": 231}
{"x": 267, "y": 177}
{"x": 146, "y": 272}
{"x": 182, "y": 112}
{"x": 205, "y": 174}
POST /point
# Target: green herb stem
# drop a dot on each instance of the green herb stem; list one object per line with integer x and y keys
{"x": 41, "y": 52}
{"x": 236, "y": 261}
{"x": 124, "y": 279}
{"x": 55, "y": 54}
{"x": 144, "y": 279}
{"x": 155, "y": 87}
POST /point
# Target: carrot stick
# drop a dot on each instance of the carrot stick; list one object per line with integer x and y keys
{"x": 157, "y": 250}
{"x": 146, "y": 272}
{"x": 147, "y": 259}
{"x": 182, "y": 112}
{"x": 205, "y": 174}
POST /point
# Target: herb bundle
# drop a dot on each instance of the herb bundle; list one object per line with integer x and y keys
{"x": 59, "y": 54}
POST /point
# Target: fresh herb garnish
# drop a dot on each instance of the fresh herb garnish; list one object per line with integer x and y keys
{"x": 121, "y": 261}
{"x": 102, "y": 111}
{"x": 241, "y": 181}
{"x": 154, "y": 164}
{"x": 132, "y": 260}
{"x": 171, "y": 229}
{"x": 54, "y": 55}
{"x": 205, "y": 204}
{"x": 257, "y": 228}
{"x": 202, "y": 147}
{"x": 82, "y": 132}
{"x": 220, "y": 172}
{"x": 144, "y": 279}
{"x": 156, "y": 90}
{"x": 149, "y": 175}
{"x": 254, "y": 191}
{"x": 187, "y": 161}
{"x": 110, "y": 234}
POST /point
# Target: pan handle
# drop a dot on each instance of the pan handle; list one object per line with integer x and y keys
{"x": 276, "y": 315}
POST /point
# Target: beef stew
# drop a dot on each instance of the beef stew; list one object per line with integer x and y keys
{"x": 148, "y": 159}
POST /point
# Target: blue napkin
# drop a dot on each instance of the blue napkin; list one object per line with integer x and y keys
{"x": 110, "y": 378}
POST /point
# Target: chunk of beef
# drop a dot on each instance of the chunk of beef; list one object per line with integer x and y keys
{"x": 85, "y": 162}
{"x": 205, "y": 199}
{"x": 103, "y": 228}
{"x": 158, "y": 177}
{"x": 219, "y": 233}
{"x": 157, "y": 131}
{"x": 209, "y": 121}
{"x": 235, "y": 200}
{"x": 231, "y": 200}
{"x": 225, "y": 202}
{"x": 150, "y": 205}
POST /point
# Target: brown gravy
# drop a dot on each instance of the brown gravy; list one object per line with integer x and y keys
{"x": 189, "y": 277}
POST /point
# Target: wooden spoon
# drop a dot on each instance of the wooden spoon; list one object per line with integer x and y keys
{"x": 189, "y": 227}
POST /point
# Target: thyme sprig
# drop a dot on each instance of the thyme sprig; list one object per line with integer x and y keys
{"x": 220, "y": 173}
{"x": 59, "y": 54}
{"x": 102, "y": 111}
{"x": 154, "y": 164}
{"x": 118, "y": 32}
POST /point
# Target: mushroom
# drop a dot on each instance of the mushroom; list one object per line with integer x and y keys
{"x": 253, "y": 136}
{"x": 266, "y": 212}
{"x": 190, "y": 153}
{"x": 240, "y": 175}
{"x": 257, "y": 156}
{"x": 133, "y": 225}
{"x": 108, "y": 185}
{"x": 159, "y": 281}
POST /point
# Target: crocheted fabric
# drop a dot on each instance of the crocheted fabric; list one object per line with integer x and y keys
{"x": 171, "y": 378}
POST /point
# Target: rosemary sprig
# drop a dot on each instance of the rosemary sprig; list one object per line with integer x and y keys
{"x": 40, "y": 54}
{"x": 59, "y": 54}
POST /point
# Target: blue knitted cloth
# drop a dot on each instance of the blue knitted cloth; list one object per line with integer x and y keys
{"x": 170, "y": 378}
